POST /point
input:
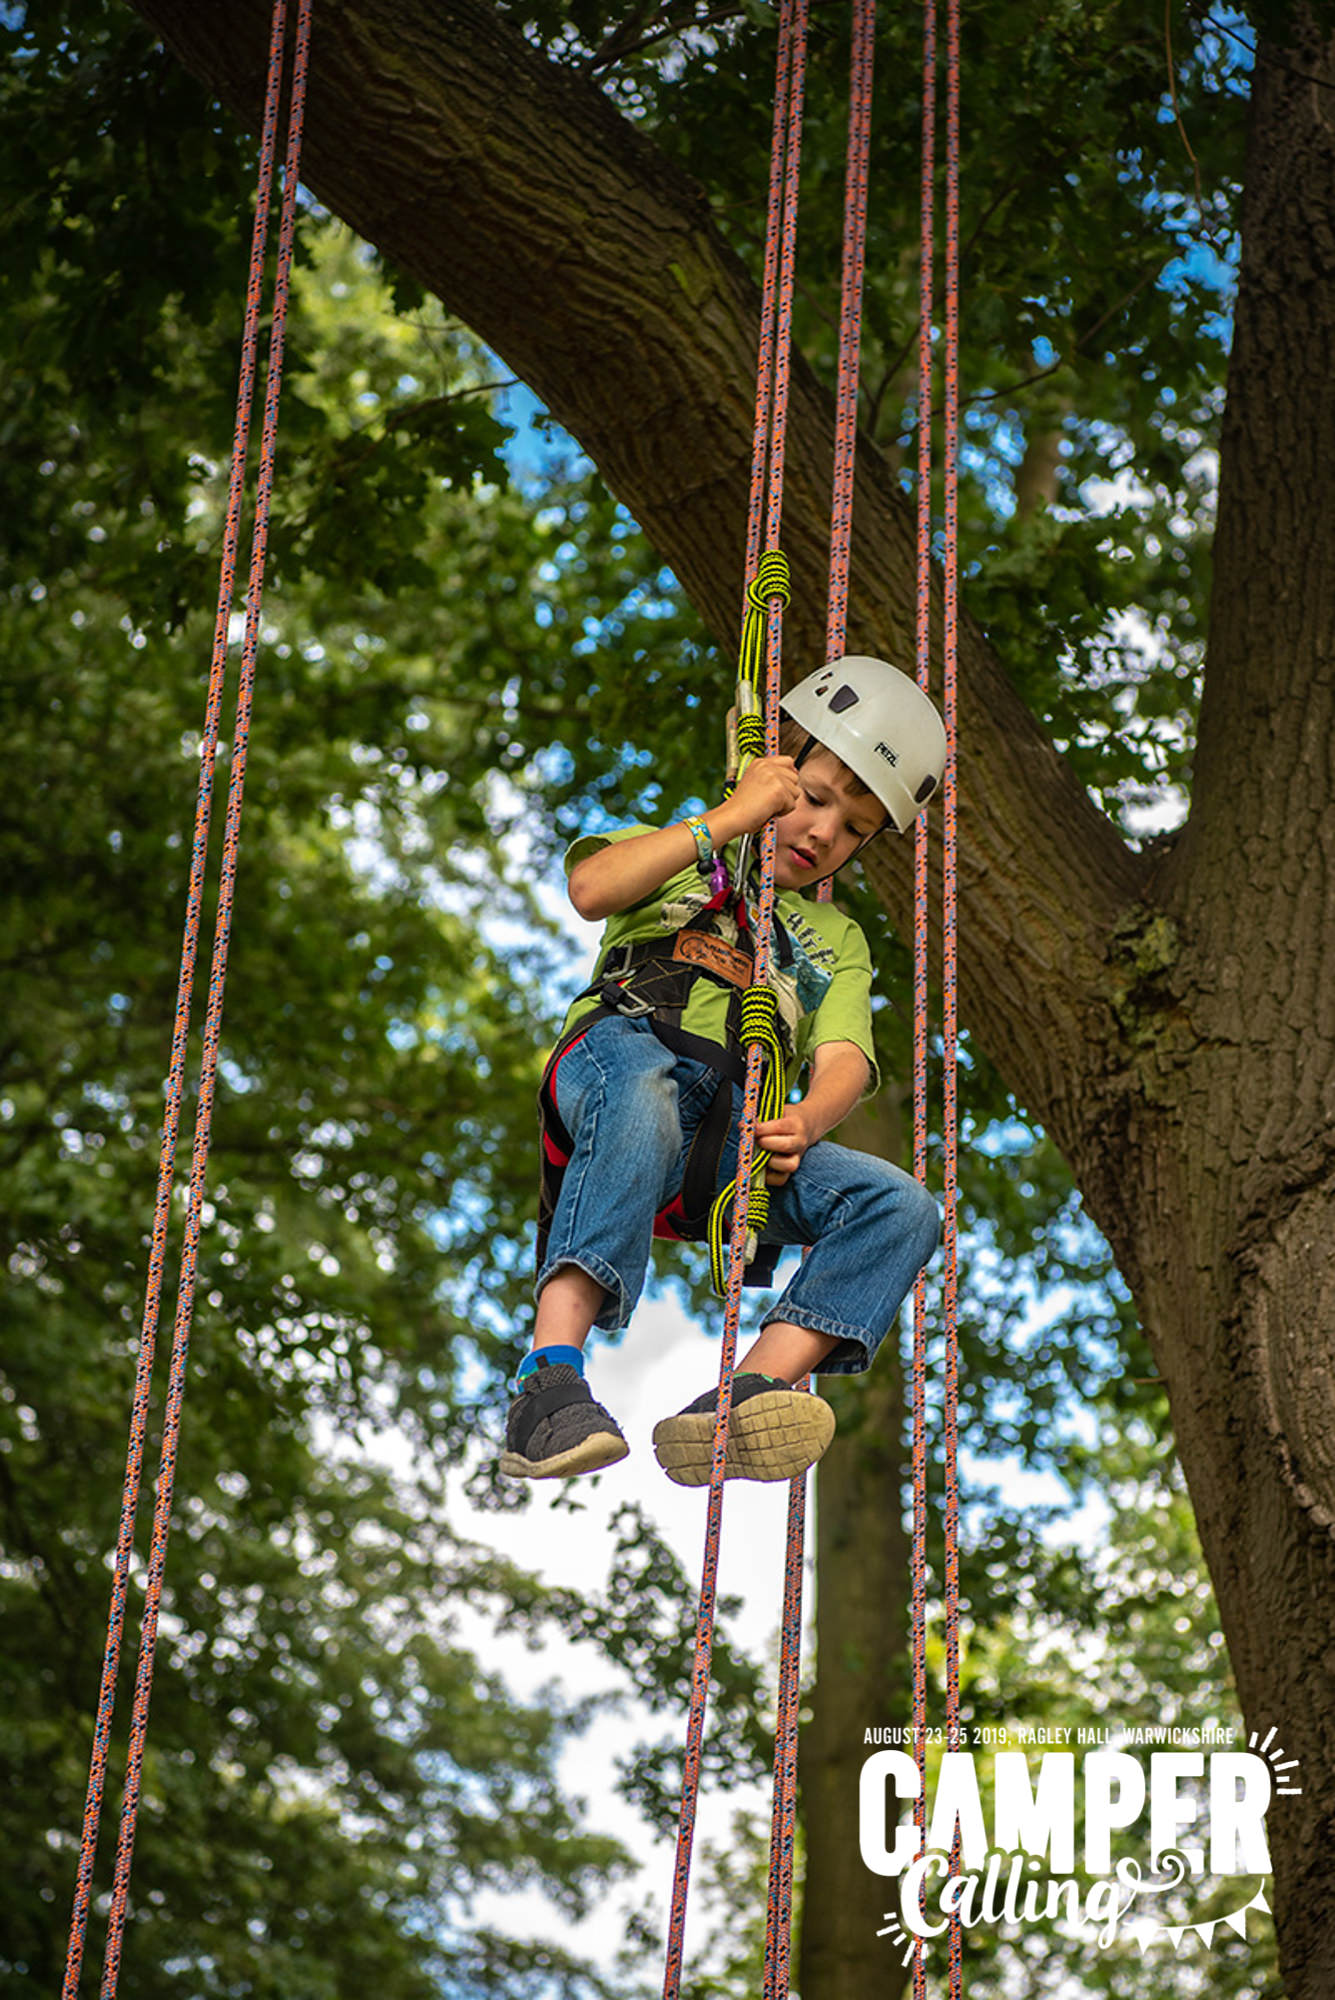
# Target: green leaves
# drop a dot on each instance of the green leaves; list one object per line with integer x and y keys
{"x": 458, "y": 672}
{"x": 331, "y": 1776}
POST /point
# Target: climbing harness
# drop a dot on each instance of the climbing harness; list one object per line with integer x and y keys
{"x": 212, "y": 1025}
{"x": 652, "y": 980}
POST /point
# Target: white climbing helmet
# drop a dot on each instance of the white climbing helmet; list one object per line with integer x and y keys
{"x": 880, "y": 723}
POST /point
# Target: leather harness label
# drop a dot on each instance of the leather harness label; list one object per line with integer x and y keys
{"x": 725, "y": 961}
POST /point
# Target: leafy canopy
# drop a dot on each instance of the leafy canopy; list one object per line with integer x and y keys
{"x": 455, "y": 664}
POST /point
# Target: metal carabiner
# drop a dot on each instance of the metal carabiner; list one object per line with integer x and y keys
{"x": 614, "y": 995}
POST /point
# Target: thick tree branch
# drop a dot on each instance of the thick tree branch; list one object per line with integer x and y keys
{"x": 517, "y": 193}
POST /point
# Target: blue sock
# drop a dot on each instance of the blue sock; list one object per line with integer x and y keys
{"x": 573, "y": 1356}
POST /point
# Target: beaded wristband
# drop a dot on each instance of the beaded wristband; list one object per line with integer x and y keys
{"x": 704, "y": 845}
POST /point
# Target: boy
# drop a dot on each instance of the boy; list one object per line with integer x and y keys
{"x": 645, "y": 1084}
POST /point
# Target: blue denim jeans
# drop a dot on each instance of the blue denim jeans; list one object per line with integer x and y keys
{"x": 631, "y": 1107}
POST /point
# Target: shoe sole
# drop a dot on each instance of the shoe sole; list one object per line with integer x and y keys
{"x": 775, "y": 1435}
{"x": 591, "y": 1454}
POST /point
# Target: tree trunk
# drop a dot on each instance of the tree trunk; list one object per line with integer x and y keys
{"x": 863, "y": 1671}
{"x": 1036, "y": 474}
{"x": 1169, "y": 1019}
{"x": 862, "y": 1679}
{"x": 1231, "y": 1234}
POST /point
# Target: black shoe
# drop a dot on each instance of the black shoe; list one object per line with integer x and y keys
{"x": 555, "y": 1428}
{"x": 774, "y": 1432}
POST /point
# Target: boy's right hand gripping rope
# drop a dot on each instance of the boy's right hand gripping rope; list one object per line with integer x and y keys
{"x": 760, "y": 1006}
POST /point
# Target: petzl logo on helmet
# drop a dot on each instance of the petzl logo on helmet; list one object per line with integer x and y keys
{"x": 890, "y": 756}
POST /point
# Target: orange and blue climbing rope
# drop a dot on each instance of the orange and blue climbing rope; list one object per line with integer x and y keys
{"x": 850, "y": 333}
{"x": 780, "y": 242}
{"x": 949, "y": 981}
{"x": 783, "y": 1813}
{"x": 949, "y": 973}
{"x": 926, "y": 275}
{"x": 180, "y": 1035}
{"x": 766, "y": 495}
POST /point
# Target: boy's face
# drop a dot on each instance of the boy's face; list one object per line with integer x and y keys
{"x": 827, "y": 825}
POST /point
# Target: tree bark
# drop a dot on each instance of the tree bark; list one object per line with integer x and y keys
{"x": 863, "y": 1679}
{"x": 1170, "y": 1019}
{"x": 1233, "y": 1116}
{"x": 863, "y": 1671}
{"x": 1036, "y": 474}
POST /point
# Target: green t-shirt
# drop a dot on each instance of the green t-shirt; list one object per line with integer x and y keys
{"x": 824, "y": 996}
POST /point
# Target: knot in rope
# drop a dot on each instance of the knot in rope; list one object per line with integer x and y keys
{"x": 751, "y": 736}
{"x": 770, "y": 580}
{"x": 760, "y": 1009}
{"x": 759, "y": 1023}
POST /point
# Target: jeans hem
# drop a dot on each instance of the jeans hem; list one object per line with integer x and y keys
{"x": 593, "y": 1267}
{"x": 856, "y": 1350}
